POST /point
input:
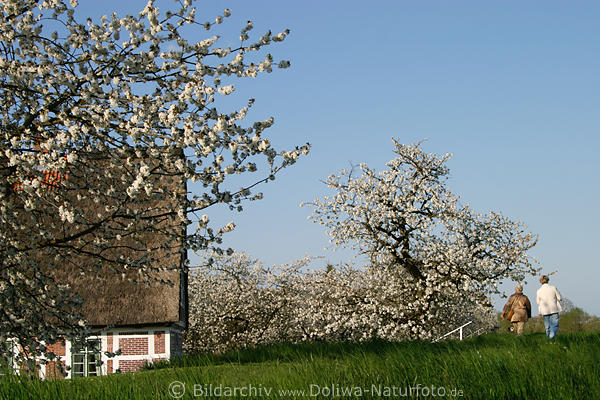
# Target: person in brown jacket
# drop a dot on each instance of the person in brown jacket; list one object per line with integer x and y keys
{"x": 517, "y": 310}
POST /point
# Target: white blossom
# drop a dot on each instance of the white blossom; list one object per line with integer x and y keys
{"x": 237, "y": 302}
{"x": 225, "y": 90}
{"x": 407, "y": 221}
{"x": 96, "y": 116}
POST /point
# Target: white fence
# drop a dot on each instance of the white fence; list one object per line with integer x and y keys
{"x": 459, "y": 330}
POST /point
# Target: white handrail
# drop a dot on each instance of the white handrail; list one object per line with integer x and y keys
{"x": 460, "y": 328}
{"x": 477, "y": 332}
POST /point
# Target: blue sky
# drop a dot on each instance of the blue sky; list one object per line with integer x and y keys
{"x": 510, "y": 88}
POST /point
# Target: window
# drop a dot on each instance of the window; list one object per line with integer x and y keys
{"x": 7, "y": 356}
{"x": 86, "y": 358}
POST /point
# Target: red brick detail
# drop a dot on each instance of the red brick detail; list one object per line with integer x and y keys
{"x": 109, "y": 366}
{"x": 109, "y": 342}
{"x": 57, "y": 348}
{"x": 133, "y": 346}
{"x": 51, "y": 179}
{"x": 131, "y": 365}
{"x": 159, "y": 342}
{"x": 53, "y": 370}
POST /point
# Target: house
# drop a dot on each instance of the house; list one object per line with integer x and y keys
{"x": 132, "y": 321}
{"x": 141, "y": 323}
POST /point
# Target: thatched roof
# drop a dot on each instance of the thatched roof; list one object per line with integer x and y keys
{"x": 110, "y": 299}
{"x": 123, "y": 297}
{"x": 103, "y": 267}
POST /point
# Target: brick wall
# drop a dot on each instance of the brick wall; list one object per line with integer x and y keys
{"x": 57, "y": 348}
{"x": 159, "y": 342}
{"x": 109, "y": 342}
{"x": 133, "y": 346}
{"x": 129, "y": 346}
{"x": 53, "y": 370}
{"x": 130, "y": 365}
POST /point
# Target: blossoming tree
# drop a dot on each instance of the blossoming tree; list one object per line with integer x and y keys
{"x": 237, "y": 302}
{"x": 102, "y": 122}
{"x": 436, "y": 253}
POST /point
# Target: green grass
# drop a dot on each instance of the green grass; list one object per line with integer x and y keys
{"x": 574, "y": 321}
{"x": 496, "y": 366}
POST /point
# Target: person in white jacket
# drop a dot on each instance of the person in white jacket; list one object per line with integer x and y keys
{"x": 548, "y": 299}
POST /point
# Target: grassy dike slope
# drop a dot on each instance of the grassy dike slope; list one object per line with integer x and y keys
{"x": 497, "y": 366}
